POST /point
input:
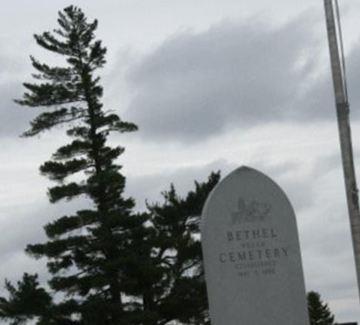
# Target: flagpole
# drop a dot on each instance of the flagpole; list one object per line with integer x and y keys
{"x": 343, "y": 111}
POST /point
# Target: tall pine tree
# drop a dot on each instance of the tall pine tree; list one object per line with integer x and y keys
{"x": 319, "y": 311}
{"x": 88, "y": 250}
{"x": 107, "y": 265}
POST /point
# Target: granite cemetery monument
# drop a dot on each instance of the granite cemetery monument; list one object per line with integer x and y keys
{"x": 251, "y": 249}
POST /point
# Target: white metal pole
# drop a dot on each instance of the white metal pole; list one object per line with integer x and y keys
{"x": 342, "y": 109}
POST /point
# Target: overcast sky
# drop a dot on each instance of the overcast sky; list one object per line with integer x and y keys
{"x": 212, "y": 85}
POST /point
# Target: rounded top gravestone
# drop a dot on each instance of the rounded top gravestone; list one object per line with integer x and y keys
{"x": 252, "y": 255}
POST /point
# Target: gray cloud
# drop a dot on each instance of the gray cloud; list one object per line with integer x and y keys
{"x": 318, "y": 101}
{"x": 287, "y": 175}
{"x": 197, "y": 85}
{"x": 353, "y": 76}
{"x": 25, "y": 226}
{"x": 14, "y": 119}
{"x": 149, "y": 187}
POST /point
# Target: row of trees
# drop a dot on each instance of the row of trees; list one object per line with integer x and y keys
{"x": 107, "y": 263}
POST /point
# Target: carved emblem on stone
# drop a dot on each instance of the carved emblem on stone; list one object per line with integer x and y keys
{"x": 250, "y": 211}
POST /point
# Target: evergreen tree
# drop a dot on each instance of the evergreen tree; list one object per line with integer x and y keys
{"x": 87, "y": 251}
{"x": 170, "y": 277}
{"x": 164, "y": 271}
{"x": 107, "y": 264}
{"x": 319, "y": 311}
{"x": 26, "y": 301}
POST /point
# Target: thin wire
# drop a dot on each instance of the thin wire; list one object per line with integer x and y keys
{"x": 341, "y": 49}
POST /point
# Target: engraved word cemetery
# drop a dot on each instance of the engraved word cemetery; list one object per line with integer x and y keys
{"x": 251, "y": 251}
{"x": 250, "y": 241}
